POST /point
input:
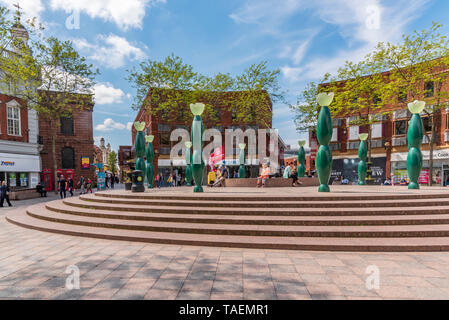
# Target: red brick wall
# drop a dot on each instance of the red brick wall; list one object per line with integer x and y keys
{"x": 81, "y": 141}
{"x": 4, "y": 123}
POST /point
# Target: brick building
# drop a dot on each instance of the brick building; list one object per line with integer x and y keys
{"x": 74, "y": 146}
{"x": 388, "y": 142}
{"x": 20, "y": 144}
{"x": 162, "y": 129}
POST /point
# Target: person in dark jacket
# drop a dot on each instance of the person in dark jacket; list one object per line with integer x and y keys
{"x": 70, "y": 184}
{"x": 62, "y": 185}
{"x": 4, "y": 194}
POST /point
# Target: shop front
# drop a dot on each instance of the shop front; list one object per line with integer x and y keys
{"x": 440, "y": 167}
{"x": 347, "y": 168}
{"x": 20, "y": 171}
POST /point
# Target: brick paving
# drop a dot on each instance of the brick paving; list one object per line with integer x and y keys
{"x": 33, "y": 265}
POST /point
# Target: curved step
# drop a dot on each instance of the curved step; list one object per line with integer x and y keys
{"x": 20, "y": 218}
{"x": 251, "y": 203}
{"x": 267, "y": 196}
{"x": 40, "y": 212}
{"x": 80, "y": 203}
{"x": 318, "y": 220}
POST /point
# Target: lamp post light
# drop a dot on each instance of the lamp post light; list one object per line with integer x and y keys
{"x": 138, "y": 175}
{"x": 150, "y": 155}
{"x": 197, "y": 140}
{"x": 188, "y": 145}
{"x": 415, "y": 136}
{"x": 324, "y": 135}
{"x": 301, "y": 159}
{"x": 242, "y": 173}
{"x": 363, "y": 151}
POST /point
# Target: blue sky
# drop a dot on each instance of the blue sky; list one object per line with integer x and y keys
{"x": 303, "y": 38}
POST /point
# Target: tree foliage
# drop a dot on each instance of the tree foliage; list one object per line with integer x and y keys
{"x": 112, "y": 161}
{"x": 170, "y": 86}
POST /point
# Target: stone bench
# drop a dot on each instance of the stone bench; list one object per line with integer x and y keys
{"x": 24, "y": 194}
{"x": 272, "y": 182}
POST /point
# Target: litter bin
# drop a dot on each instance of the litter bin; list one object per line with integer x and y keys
{"x": 138, "y": 181}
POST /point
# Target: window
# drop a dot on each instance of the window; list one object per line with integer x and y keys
{"x": 68, "y": 158}
{"x": 402, "y": 96}
{"x": 376, "y": 130}
{"x": 353, "y": 133}
{"x": 66, "y": 125}
{"x": 13, "y": 115}
{"x": 400, "y": 127}
{"x": 427, "y": 123}
{"x": 429, "y": 89}
{"x": 334, "y": 135}
{"x": 164, "y": 139}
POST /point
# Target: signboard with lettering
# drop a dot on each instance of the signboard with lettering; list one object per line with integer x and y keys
{"x": 85, "y": 163}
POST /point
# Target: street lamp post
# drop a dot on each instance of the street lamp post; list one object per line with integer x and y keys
{"x": 242, "y": 173}
{"x": 415, "y": 136}
{"x": 188, "y": 145}
{"x": 197, "y": 140}
{"x": 324, "y": 135}
{"x": 150, "y": 156}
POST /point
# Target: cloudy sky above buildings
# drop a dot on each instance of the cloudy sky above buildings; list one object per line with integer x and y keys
{"x": 303, "y": 38}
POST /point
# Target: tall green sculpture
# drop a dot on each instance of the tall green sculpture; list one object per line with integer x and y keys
{"x": 242, "y": 172}
{"x": 301, "y": 159}
{"x": 139, "y": 146}
{"x": 324, "y": 135}
{"x": 363, "y": 151}
{"x": 188, "y": 163}
{"x": 415, "y": 136}
{"x": 197, "y": 140}
{"x": 150, "y": 155}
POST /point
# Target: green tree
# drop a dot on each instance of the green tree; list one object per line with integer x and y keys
{"x": 170, "y": 86}
{"x": 112, "y": 161}
{"x": 65, "y": 85}
{"x": 417, "y": 70}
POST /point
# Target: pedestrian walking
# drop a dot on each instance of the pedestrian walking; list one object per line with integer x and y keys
{"x": 62, "y": 185}
{"x": 89, "y": 186}
{"x": 112, "y": 181}
{"x": 82, "y": 184}
{"x": 70, "y": 184}
{"x": 4, "y": 194}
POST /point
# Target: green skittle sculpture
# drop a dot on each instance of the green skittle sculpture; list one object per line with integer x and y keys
{"x": 242, "y": 172}
{"x": 150, "y": 155}
{"x": 324, "y": 135}
{"x": 301, "y": 159}
{"x": 139, "y": 146}
{"x": 188, "y": 145}
{"x": 363, "y": 151}
{"x": 197, "y": 140}
{"x": 415, "y": 136}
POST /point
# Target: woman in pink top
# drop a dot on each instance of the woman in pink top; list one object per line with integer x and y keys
{"x": 263, "y": 176}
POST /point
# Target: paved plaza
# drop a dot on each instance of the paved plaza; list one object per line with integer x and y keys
{"x": 33, "y": 265}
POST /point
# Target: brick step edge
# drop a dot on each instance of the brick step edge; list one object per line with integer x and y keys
{"x": 39, "y": 212}
{"x": 20, "y": 218}
{"x": 317, "y": 220}
{"x": 78, "y": 203}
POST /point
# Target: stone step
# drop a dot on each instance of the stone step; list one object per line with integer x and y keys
{"x": 318, "y": 220}
{"x": 20, "y": 218}
{"x": 40, "y": 212}
{"x": 352, "y": 211}
{"x": 401, "y": 193}
{"x": 253, "y": 203}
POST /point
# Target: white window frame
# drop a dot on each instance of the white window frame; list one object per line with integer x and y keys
{"x": 13, "y": 105}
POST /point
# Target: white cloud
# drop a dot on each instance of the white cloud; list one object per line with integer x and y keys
{"x": 30, "y": 8}
{"x": 110, "y": 51}
{"x": 110, "y": 125}
{"x": 129, "y": 126}
{"x": 105, "y": 93}
{"x": 125, "y": 14}
{"x": 292, "y": 74}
